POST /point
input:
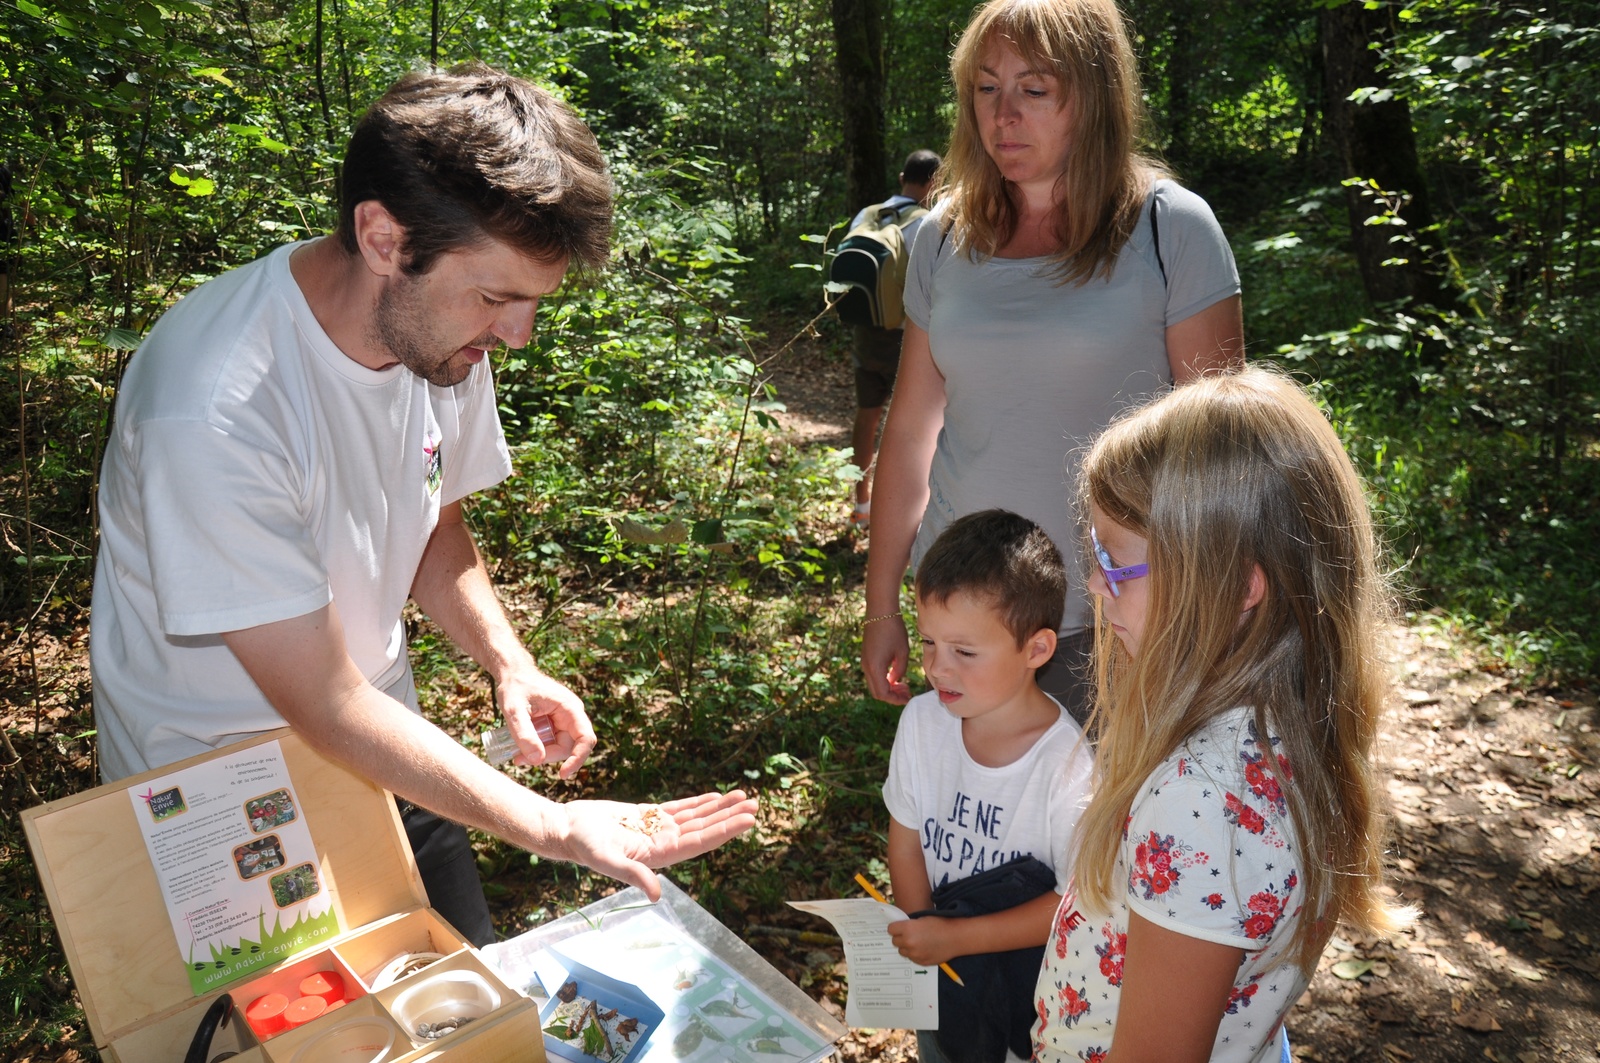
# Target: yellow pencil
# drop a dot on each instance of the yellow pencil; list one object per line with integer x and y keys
{"x": 872, "y": 891}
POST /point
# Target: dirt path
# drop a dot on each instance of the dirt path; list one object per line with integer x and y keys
{"x": 1496, "y": 815}
{"x": 819, "y": 390}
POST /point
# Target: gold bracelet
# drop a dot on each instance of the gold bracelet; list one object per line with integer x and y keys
{"x": 885, "y": 616}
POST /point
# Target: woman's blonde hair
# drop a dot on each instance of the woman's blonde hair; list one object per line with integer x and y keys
{"x": 1222, "y": 476}
{"x": 1102, "y": 187}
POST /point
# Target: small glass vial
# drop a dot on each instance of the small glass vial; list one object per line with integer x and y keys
{"x": 499, "y": 746}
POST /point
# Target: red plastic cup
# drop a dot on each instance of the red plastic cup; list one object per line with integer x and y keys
{"x": 265, "y": 1014}
{"x": 325, "y": 984}
{"x": 301, "y": 1011}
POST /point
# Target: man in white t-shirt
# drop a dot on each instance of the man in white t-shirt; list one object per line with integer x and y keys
{"x": 292, "y": 445}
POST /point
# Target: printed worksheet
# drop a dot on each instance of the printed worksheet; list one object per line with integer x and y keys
{"x": 236, "y": 864}
{"x": 886, "y": 989}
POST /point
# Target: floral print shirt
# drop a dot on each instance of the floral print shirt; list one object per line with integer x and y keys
{"x": 1209, "y": 852}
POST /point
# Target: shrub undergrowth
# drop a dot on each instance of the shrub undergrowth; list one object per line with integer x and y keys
{"x": 1479, "y": 435}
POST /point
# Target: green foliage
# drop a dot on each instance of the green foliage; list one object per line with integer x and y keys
{"x": 1483, "y": 523}
{"x": 1478, "y": 423}
{"x": 1299, "y": 278}
{"x": 1230, "y": 85}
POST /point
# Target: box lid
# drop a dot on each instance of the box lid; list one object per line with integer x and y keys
{"x": 108, "y": 906}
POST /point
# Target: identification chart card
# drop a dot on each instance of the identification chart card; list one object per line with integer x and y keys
{"x": 236, "y": 864}
{"x": 718, "y": 1001}
{"x": 886, "y": 989}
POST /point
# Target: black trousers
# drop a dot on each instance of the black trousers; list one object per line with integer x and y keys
{"x": 449, "y": 872}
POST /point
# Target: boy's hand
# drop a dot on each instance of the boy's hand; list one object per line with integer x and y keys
{"x": 926, "y": 941}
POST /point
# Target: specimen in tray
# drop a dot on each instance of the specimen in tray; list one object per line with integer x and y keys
{"x": 591, "y": 1026}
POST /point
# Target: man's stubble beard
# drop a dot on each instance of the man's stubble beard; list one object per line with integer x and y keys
{"x": 399, "y": 324}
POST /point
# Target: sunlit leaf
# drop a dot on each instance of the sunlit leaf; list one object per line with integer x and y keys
{"x": 1350, "y": 970}
{"x": 194, "y": 186}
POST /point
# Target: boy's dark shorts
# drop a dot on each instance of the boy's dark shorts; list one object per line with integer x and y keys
{"x": 876, "y": 353}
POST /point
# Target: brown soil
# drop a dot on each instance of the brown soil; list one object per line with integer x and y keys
{"x": 1494, "y": 791}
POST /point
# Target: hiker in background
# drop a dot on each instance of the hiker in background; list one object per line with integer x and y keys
{"x": 1062, "y": 278}
{"x": 874, "y": 349}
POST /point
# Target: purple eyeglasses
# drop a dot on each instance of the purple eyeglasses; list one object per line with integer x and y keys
{"x": 1112, "y": 573}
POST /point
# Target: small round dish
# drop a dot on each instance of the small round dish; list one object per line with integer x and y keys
{"x": 444, "y": 1002}
{"x": 367, "y": 1039}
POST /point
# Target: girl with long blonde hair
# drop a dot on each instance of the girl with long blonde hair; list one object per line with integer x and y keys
{"x": 1237, "y": 815}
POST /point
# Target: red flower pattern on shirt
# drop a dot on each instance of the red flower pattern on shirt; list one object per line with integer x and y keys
{"x": 1214, "y": 901}
{"x": 1073, "y": 1006}
{"x": 1258, "y": 777}
{"x": 1266, "y": 908}
{"x": 1260, "y": 780}
{"x": 1064, "y": 922}
{"x": 1239, "y": 996}
{"x": 1095, "y": 1055}
{"x": 1159, "y": 862}
{"x": 1243, "y": 816}
{"x": 1111, "y": 955}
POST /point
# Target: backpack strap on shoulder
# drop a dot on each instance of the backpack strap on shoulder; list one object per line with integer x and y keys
{"x": 1155, "y": 228}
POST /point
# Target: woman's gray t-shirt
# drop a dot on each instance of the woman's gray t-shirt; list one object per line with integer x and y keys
{"x": 1034, "y": 370}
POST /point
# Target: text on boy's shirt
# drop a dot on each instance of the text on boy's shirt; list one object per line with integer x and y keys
{"x": 956, "y": 841}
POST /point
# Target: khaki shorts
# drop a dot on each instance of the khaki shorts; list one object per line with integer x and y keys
{"x": 876, "y": 354}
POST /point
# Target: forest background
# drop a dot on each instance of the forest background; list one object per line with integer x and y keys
{"x": 1409, "y": 190}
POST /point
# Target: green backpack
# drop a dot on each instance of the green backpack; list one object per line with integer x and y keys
{"x": 867, "y": 275}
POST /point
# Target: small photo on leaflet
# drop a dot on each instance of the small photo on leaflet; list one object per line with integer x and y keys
{"x": 294, "y": 885}
{"x": 258, "y": 857}
{"x": 270, "y": 810}
{"x": 591, "y": 1018}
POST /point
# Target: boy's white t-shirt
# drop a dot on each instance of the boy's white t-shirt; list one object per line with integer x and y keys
{"x": 971, "y": 818}
{"x": 256, "y": 473}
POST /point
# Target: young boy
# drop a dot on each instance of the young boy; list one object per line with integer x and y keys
{"x": 987, "y": 770}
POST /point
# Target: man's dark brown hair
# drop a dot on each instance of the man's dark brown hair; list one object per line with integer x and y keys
{"x": 474, "y": 153}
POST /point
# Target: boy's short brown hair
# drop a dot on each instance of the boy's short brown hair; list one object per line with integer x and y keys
{"x": 1003, "y": 558}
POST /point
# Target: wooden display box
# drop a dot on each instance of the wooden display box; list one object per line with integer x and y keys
{"x": 131, "y": 977}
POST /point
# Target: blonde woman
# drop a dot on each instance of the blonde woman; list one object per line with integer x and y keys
{"x": 1061, "y": 279}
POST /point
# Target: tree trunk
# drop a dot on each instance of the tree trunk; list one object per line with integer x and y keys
{"x": 858, "y": 39}
{"x": 1375, "y": 143}
{"x": 1180, "y": 77}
